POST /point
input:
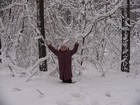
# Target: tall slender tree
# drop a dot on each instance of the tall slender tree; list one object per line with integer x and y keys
{"x": 125, "y": 56}
{"x": 40, "y": 23}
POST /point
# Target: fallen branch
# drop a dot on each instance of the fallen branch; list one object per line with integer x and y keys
{"x": 41, "y": 95}
{"x": 40, "y": 92}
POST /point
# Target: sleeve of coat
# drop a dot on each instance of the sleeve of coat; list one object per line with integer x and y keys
{"x": 55, "y": 51}
{"x": 74, "y": 49}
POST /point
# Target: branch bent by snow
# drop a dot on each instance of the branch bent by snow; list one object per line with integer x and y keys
{"x": 112, "y": 67}
{"x": 11, "y": 5}
{"x": 32, "y": 68}
{"x": 28, "y": 70}
{"x": 100, "y": 17}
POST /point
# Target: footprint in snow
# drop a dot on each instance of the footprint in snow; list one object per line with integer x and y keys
{"x": 76, "y": 95}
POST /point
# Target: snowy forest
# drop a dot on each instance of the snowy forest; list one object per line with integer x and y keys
{"x": 108, "y": 33}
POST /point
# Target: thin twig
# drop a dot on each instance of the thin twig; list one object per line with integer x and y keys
{"x": 40, "y": 92}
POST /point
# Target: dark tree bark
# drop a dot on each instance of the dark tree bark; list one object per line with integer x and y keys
{"x": 40, "y": 23}
{"x": 0, "y": 50}
{"x": 125, "y": 56}
{"x": 0, "y": 44}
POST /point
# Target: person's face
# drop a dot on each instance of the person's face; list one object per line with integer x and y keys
{"x": 63, "y": 48}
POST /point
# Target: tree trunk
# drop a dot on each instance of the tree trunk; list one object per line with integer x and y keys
{"x": 40, "y": 23}
{"x": 0, "y": 51}
{"x": 125, "y": 56}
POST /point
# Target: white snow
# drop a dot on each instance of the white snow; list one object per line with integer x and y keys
{"x": 116, "y": 88}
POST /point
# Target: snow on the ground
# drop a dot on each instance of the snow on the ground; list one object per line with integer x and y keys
{"x": 116, "y": 88}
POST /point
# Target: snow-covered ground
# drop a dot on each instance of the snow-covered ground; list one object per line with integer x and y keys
{"x": 116, "y": 88}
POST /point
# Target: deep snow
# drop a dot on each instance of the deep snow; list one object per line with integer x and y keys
{"x": 116, "y": 88}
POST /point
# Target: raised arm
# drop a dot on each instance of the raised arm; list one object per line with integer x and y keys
{"x": 55, "y": 51}
{"x": 75, "y": 48}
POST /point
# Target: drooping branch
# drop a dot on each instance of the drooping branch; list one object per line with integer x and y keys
{"x": 11, "y": 6}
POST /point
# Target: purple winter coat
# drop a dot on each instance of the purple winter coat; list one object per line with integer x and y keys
{"x": 64, "y": 61}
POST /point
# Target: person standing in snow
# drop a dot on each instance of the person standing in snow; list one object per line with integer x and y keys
{"x": 64, "y": 60}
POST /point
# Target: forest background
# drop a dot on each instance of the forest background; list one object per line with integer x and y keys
{"x": 107, "y": 31}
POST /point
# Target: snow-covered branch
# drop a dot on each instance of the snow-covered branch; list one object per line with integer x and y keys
{"x": 37, "y": 63}
{"x": 31, "y": 69}
{"x": 11, "y": 6}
